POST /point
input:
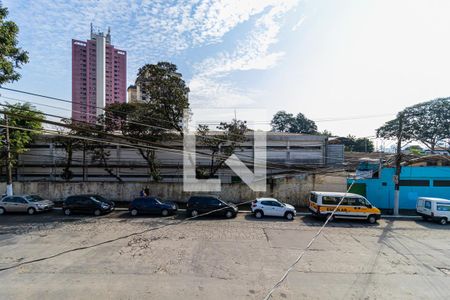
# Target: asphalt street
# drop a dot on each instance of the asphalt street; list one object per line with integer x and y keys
{"x": 119, "y": 257}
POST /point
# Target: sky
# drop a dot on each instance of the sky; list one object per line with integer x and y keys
{"x": 349, "y": 65}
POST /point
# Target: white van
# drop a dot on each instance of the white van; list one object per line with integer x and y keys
{"x": 436, "y": 209}
{"x": 354, "y": 206}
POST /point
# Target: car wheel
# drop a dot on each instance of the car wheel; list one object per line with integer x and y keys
{"x": 443, "y": 221}
{"x": 67, "y": 211}
{"x": 229, "y": 214}
{"x": 259, "y": 214}
{"x": 31, "y": 211}
{"x": 164, "y": 212}
{"x": 97, "y": 212}
{"x": 289, "y": 215}
{"x": 194, "y": 213}
{"x": 425, "y": 218}
{"x": 134, "y": 212}
{"x": 372, "y": 219}
{"x": 2, "y": 210}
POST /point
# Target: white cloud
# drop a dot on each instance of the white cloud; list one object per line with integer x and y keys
{"x": 252, "y": 53}
{"x": 147, "y": 30}
{"x": 209, "y": 92}
{"x": 154, "y": 30}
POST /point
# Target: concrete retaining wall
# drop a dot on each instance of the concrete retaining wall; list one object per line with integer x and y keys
{"x": 293, "y": 190}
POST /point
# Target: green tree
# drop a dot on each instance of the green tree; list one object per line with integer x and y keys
{"x": 166, "y": 93}
{"x": 11, "y": 56}
{"x": 286, "y": 122}
{"x": 70, "y": 138}
{"x": 159, "y": 117}
{"x": 427, "y": 122}
{"x": 28, "y": 119}
{"x": 222, "y": 144}
{"x": 71, "y": 144}
{"x": 363, "y": 145}
{"x": 354, "y": 144}
{"x": 281, "y": 121}
{"x": 415, "y": 149}
{"x": 348, "y": 142}
{"x": 326, "y": 133}
{"x": 136, "y": 121}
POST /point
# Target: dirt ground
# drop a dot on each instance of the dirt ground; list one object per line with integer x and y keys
{"x": 119, "y": 257}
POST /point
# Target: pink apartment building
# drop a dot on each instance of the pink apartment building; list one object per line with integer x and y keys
{"x": 98, "y": 76}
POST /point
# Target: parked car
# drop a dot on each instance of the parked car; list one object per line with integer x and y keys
{"x": 198, "y": 205}
{"x": 151, "y": 205}
{"x": 354, "y": 206}
{"x": 25, "y": 203}
{"x": 436, "y": 209}
{"x": 272, "y": 207}
{"x": 91, "y": 204}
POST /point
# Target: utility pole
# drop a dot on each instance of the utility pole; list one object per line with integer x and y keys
{"x": 9, "y": 187}
{"x": 398, "y": 167}
{"x": 84, "y": 161}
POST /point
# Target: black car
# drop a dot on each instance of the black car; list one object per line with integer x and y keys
{"x": 198, "y": 205}
{"x": 151, "y": 205}
{"x": 91, "y": 204}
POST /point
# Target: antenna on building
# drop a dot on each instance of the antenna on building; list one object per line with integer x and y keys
{"x": 108, "y": 36}
{"x": 92, "y": 28}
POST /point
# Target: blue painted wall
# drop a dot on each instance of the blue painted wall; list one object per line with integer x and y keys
{"x": 382, "y": 195}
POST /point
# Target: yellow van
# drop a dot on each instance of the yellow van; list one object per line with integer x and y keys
{"x": 353, "y": 206}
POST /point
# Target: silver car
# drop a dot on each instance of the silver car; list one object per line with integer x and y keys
{"x": 25, "y": 203}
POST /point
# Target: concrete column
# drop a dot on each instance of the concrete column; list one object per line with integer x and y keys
{"x": 101, "y": 73}
{"x": 52, "y": 153}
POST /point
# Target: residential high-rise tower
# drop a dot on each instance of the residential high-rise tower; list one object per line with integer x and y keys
{"x": 98, "y": 76}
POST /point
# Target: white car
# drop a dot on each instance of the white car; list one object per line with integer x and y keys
{"x": 435, "y": 209}
{"x": 272, "y": 207}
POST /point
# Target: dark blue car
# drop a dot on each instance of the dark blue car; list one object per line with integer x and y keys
{"x": 151, "y": 205}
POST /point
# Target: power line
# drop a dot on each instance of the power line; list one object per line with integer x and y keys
{"x": 348, "y": 118}
{"x": 311, "y": 170}
{"x": 154, "y": 146}
{"x": 169, "y": 122}
{"x": 291, "y": 267}
{"x": 28, "y": 262}
{"x": 268, "y": 165}
{"x": 102, "y": 108}
{"x": 69, "y": 101}
{"x": 111, "y": 118}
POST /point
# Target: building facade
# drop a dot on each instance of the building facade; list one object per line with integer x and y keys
{"x": 135, "y": 93}
{"x": 132, "y": 93}
{"x": 286, "y": 154}
{"x": 98, "y": 76}
{"x": 415, "y": 181}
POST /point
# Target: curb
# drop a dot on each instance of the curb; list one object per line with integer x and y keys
{"x": 298, "y": 213}
{"x": 401, "y": 217}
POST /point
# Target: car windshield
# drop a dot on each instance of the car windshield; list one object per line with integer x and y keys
{"x": 98, "y": 198}
{"x": 365, "y": 202}
{"x": 34, "y": 198}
